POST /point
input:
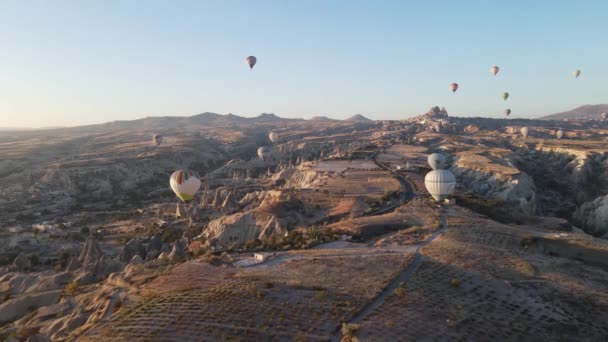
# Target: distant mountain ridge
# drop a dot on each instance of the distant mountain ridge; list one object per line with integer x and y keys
{"x": 172, "y": 122}
{"x": 586, "y": 112}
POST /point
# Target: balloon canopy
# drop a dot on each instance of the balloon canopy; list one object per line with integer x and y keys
{"x": 454, "y": 87}
{"x": 440, "y": 184}
{"x": 437, "y": 161}
{"x": 251, "y": 60}
{"x": 157, "y": 139}
{"x": 273, "y": 136}
{"x": 185, "y": 183}
{"x": 494, "y": 70}
{"x": 264, "y": 152}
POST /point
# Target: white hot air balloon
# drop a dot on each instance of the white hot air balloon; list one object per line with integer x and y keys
{"x": 524, "y": 131}
{"x": 437, "y": 161}
{"x": 185, "y": 183}
{"x": 494, "y": 70}
{"x": 251, "y": 60}
{"x": 559, "y": 134}
{"x": 264, "y": 152}
{"x": 576, "y": 73}
{"x": 273, "y": 136}
{"x": 440, "y": 184}
{"x": 603, "y": 116}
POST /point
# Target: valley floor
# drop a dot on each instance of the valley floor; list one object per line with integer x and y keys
{"x": 472, "y": 279}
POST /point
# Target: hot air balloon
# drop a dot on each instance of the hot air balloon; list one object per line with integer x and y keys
{"x": 440, "y": 184}
{"x": 576, "y": 73}
{"x": 454, "y": 87}
{"x": 251, "y": 60}
{"x": 504, "y": 96}
{"x": 437, "y": 161}
{"x": 494, "y": 70}
{"x": 185, "y": 183}
{"x": 507, "y": 112}
{"x": 524, "y": 131}
{"x": 559, "y": 134}
{"x": 604, "y": 116}
{"x": 273, "y": 136}
{"x": 157, "y": 139}
{"x": 264, "y": 152}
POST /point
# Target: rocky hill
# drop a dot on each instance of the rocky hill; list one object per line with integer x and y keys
{"x": 586, "y": 112}
{"x": 358, "y": 118}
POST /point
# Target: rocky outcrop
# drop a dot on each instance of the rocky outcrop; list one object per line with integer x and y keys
{"x": 235, "y": 229}
{"x": 593, "y": 216}
{"x": 18, "y": 307}
{"x": 132, "y": 248}
{"x": 155, "y": 244}
{"x": 273, "y": 227}
{"x": 21, "y": 263}
{"x": 497, "y": 182}
{"x": 90, "y": 253}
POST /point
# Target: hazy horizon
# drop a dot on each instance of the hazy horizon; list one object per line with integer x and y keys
{"x": 76, "y": 63}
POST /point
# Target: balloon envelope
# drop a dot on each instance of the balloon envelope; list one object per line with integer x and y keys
{"x": 504, "y": 96}
{"x": 454, "y": 87}
{"x": 559, "y": 134}
{"x": 185, "y": 183}
{"x": 437, "y": 161}
{"x": 507, "y": 112}
{"x": 157, "y": 139}
{"x": 251, "y": 60}
{"x": 604, "y": 116}
{"x": 494, "y": 70}
{"x": 576, "y": 73}
{"x": 440, "y": 184}
{"x": 264, "y": 152}
{"x": 524, "y": 131}
{"x": 273, "y": 136}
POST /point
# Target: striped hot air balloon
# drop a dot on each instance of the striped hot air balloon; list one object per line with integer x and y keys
{"x": 437, "y": 161}
{"x": 185, "y": 183}
{"x": 440, "y": 184}
{"x": 264, "y": 152}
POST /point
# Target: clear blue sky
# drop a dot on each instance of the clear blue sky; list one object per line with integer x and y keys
{"x": 80, "y": 62}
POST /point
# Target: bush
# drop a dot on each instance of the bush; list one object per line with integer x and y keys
{"x": 34, "y": 259}
{"x": 4, "y": 260}
{"x": 64, "y": 258}
{"x": 71, "y": 289}
{"x": 399, "y": 292}
{"x": 321, "y": 294}
{"x": 169, "y": 235}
